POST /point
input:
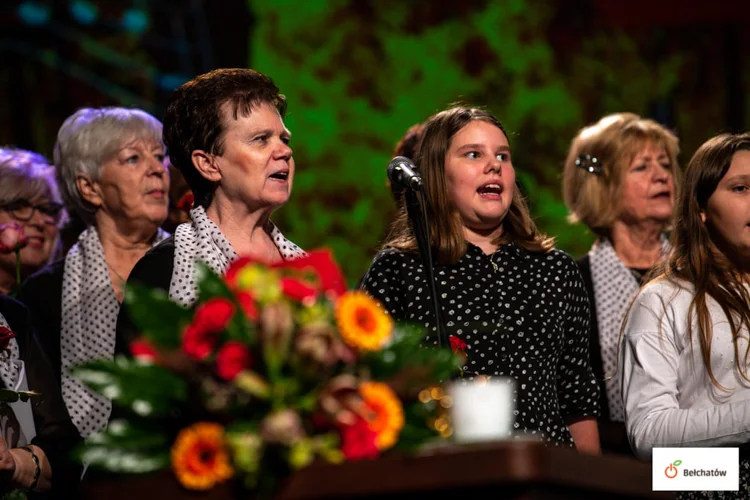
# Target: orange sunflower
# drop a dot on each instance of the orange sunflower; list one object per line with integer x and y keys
{"x": 362, "y": 322}
{"x": 199, "y": 457}
{"x": 384, "y": 413}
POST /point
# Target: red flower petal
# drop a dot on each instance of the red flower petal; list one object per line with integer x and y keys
{"x": 233, "y": 358}
{"x": 457, "y": 345}
{"x": 214, "y": 315}
{"x": 142, "y": 349}
{"x": 198, "y": 343}
{"x": 5, "y": 335}
{"x": 12, "y": 237}
{"x": 247, "y": 303}
{"x": 358, "y": 441}
{"x": 321, "y": 262}
{"x": 186, "y": 202}
{"x": 296, "y": 289}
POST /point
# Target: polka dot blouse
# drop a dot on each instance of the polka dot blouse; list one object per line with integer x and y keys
{"x": 527, "y": 320}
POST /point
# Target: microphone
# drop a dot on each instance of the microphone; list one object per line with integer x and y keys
{"x": 401, "y": 171}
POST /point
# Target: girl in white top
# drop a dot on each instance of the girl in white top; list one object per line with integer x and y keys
{"x": 684, "y": 358}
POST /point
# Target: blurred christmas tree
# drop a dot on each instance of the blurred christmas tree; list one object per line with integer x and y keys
{"x": 359, "y": 73}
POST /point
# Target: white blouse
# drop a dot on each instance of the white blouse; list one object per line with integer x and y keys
{"x": 669, "y": 398}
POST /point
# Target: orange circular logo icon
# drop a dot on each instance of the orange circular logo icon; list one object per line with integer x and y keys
{"x": 671, "y": 471}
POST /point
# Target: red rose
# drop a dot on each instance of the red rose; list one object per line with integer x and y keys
{"x": 358, "y": 441}
{"x": 233, "y": 358}
{"x": 12, "y": 238}
{"x": 142, "y": 350}
{"x": 296, "y": 289}
{"x": 5, "y": 335}
{"x": 214, "y": 315}
{"x": 198, "y": 343}
{"x": 186, "y": 202}
{"x": 329, "y": 276}
{"x": 457, "y": 345}
{"x": 247, "y": 303}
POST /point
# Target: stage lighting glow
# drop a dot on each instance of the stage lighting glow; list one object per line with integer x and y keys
{"x": 171, "y": 82}
{"x": 135, "y": 21}
{"x": 33, "y": 13}
{"x": 83, "y": 12}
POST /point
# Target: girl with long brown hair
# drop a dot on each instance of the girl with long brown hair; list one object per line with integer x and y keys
{"x": 684, "y": 360}
{"x": 518, "y": 304}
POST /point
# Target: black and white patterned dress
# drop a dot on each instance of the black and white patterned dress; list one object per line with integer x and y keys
{"x": 527, "y": 320}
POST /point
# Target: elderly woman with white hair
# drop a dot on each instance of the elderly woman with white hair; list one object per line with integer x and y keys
{"x": 30, "y": 204}
{"x": 111, "y": 167}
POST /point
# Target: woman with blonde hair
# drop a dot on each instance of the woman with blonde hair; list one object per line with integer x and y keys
{"x": 620, "y": 180}
{"x": 684, "y": 358}
{"x": 518, "y": 304}
{"x": 30, "y": 203}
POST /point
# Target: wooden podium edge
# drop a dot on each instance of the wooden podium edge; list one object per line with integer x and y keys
{"x": 464, "y": 467}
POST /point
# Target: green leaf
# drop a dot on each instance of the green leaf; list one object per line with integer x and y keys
{"x": 210, "y": 284}
{"x": 405, "y": 352}
{"x": 147, "y": 390}
{"x": 416, "y": 431}
{"x": 126, "y": 448}
{"x": 240, "y": 328}
{"x": 155, "y": 316}
{"x": 677, "y": 462}
{"x": 14, "y": 495}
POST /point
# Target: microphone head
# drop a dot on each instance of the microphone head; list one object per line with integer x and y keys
{"x": 401, "y": 171}
{"x": 400, "y": 160}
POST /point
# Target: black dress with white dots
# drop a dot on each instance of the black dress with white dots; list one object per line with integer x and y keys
{"x": 527, "y": 319}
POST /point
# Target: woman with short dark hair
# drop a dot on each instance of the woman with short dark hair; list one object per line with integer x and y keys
{"x": 226, "y": 135}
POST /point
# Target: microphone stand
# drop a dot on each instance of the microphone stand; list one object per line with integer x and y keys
{"x": 418, "y": 215}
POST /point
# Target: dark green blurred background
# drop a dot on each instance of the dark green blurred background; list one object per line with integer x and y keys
{"x": 358, "y": 73}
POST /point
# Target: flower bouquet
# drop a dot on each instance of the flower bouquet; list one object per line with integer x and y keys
{"x": 275, "y": 367}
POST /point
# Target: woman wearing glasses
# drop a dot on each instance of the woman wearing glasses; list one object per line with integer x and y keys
{"x": 30, "y": 202}
{"x": 110, "y": 163}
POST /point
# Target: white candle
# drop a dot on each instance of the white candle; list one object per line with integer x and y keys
{"x": 482, "y": 410}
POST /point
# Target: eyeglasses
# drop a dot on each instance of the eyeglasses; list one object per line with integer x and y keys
{"x": 23, "y": 210}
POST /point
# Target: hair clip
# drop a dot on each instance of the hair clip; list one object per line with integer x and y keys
{"x": 589, "y": 163}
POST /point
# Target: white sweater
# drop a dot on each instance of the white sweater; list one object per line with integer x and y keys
{"x": 669, "y": 398}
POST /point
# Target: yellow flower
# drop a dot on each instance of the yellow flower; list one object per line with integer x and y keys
{"x": 362, "y": 322}
{"x": 384, "y": 412}
{"x": 199, "y": 457}
{"x": 247, "y": 275}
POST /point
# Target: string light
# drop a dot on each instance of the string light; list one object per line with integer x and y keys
{"x": 441, "y": 423}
